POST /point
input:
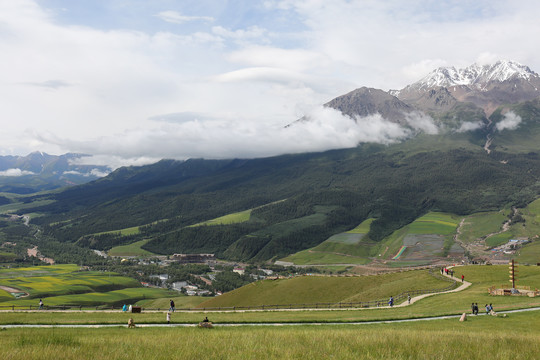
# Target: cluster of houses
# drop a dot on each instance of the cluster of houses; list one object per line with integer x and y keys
{"x": 511, "y": 246}
{"x": 194, "y": 290}
{"x": 161, "y": 280}
{"x": 183, "y": 286}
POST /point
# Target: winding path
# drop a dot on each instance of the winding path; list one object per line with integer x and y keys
{"x": 267, "y": 324}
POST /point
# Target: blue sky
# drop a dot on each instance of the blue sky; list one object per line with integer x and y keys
{"x": 133, "y": 81}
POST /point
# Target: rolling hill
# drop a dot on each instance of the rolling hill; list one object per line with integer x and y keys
{"x": 314, "y": 289}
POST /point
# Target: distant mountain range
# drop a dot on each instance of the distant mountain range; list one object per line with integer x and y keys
{"x": 40, "y": 171}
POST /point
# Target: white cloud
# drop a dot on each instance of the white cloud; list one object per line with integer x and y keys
{"x": 73, "y": 172}
{"x": 99, "y": 173}
{"x": 177, "y": 18}
{"x": 93, "y": 172}
{"x": 253, "y": 32}
{"x": 469, "y": 126}
{"x": 224, "y": 83}
{"x": 265, "y": 56}
{"x": 210, "y": 137}
{"x": 422, "y": 122}
{"x": 510, "y": 121}
{"x": 15, "y": 172}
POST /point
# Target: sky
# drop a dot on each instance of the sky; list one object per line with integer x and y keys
{"x": 131, "y": 82}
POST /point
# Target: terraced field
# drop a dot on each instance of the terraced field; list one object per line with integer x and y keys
{"x": 67, "y": 285}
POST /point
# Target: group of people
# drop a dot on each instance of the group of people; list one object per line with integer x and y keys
{"x": 489, "y": 309}
{"x": 447, "y": 271}
{"x": 391, "y": 300}
{"x": 450, "y": 272}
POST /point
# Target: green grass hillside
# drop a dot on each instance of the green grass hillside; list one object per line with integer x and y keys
{"x": 351, "y": 247}
{"x": 420, "y": 242}
{"x": 133, "y": 249}
{"x": 327, "y": 289}
{"x": 66, "y": 285}
{"x": 478, "y": 225}
{"x": 234, "y": 218}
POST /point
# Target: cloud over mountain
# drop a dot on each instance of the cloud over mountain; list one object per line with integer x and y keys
{"x": 106, "y": 70}
{"x": 510, "y": 121}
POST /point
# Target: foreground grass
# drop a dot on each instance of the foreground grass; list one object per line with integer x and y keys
{"x": 514, "y": 337}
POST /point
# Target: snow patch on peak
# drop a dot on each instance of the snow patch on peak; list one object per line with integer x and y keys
{"x": 476, "y": 75}
{"x": 504, "y": 70}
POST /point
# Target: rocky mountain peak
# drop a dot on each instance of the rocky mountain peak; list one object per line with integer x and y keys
{"x": 368, "y": 101}
{"x": 485, "y": 86}
{"x": 475, "y": 75}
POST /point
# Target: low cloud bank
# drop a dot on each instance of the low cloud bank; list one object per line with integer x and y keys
{"x": 93, "y": 172}
{"x": 15, "y": 172}
{"x": 470, "y": 126}
{"x": 191, "y": 135}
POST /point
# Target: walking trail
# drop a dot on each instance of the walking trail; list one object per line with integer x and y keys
{"x": 463, "y": 286}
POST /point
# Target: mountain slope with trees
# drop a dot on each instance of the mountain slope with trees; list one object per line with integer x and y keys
{"x": 474, "y": 162}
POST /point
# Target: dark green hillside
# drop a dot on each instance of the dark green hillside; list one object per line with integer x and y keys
{"x": 526, "y": 136}
{"x": 394, "y": 185}
{"x": 459, "y": 112}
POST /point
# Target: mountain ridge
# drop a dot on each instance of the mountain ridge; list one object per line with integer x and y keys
{"x": 39, "y": 171}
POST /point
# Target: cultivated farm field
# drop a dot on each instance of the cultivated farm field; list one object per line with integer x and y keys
{"x": 67, "y": 285}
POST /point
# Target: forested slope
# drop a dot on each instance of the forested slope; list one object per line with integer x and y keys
{"x": 322, "y": 193}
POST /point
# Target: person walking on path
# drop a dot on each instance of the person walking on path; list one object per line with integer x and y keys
{"x": 168, "y": 317}
{"x": 475, "y": 310}
{"x": 462, "y": 278}
{"x": 391, "y": 301}
{"x": 40, "y": 304}
{"x": 172, "y": 306}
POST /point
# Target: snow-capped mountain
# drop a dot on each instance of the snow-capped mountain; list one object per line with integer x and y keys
{"x": 449, "y": 96}
{"x": 477, "y": 76}
{"x": 486, "y": 86}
